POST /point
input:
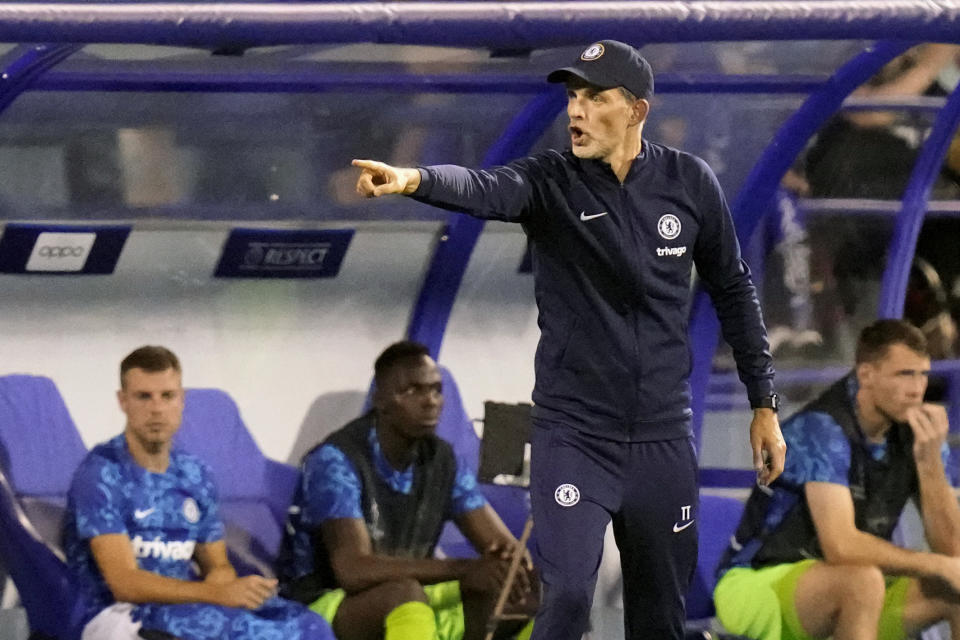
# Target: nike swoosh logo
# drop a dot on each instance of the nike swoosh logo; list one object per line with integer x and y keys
{"x": 677, "y": 528}
{"x": 584, "y": 217}
{"x": 141, "y": 514}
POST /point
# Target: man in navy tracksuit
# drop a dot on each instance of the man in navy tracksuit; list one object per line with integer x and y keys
{"x": 615, "y": 225}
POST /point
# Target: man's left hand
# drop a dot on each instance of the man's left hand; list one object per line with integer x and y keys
{"x": 769, "y": 449}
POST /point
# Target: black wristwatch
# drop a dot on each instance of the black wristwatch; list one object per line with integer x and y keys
{"x": 772, "y": 401}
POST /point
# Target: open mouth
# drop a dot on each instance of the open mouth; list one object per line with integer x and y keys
{"x": 576, "y": 135}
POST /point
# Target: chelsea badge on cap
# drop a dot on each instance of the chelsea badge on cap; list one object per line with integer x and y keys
{"x": 592, "y": 52}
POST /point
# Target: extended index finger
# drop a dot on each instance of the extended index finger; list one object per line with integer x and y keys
{"x": 367, "y": 164}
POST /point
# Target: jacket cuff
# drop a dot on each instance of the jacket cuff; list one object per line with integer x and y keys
{"x": 758, "y": 390}
{"x": 426, "y": 183}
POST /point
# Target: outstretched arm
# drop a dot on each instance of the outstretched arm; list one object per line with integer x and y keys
{"x": 511, "y": 193}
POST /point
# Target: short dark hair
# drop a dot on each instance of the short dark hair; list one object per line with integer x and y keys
{"x": 876, "y": 339}
{"x": 394, "y": 355}
{"x": 153, "y": 359}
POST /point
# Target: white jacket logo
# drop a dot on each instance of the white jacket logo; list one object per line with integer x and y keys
{"x": 668, "y": 226}
{"x": 157, "y": 548}
{"x": 671, "y": 251}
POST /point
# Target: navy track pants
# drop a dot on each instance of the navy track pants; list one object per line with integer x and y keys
{"x": 578, "y": 484}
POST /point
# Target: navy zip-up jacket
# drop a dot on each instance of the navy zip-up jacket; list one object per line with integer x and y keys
{"x": 612, "y": 273}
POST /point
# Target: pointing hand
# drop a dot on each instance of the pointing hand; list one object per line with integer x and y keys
{"x": 380, "y": 179}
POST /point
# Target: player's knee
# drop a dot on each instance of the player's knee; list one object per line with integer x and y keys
{"x": 861, "y": 587}
{"x": 397, "y": 592}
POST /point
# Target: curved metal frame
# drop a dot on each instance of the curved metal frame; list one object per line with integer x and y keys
{"x": 896, "y": 274}
{"x": 320, "y": 80}
{"x": 756, "y": 195}
{"x": 505, "y": 25}
{"x": 23, "y": 72}
{"x": 455, "y": 245}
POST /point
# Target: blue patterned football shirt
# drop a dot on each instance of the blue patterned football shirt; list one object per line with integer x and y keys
{"x": 331, "y": 488}
{"x": 165, "y": 515}
{"x": 817, "y": 451}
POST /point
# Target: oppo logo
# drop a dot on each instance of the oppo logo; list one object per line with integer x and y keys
{"x": 61, "y": 251}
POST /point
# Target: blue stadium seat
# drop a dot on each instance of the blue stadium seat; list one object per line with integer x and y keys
{"x": 40, "y": 448}
{"x": 718, "y": 520}
{"x": 255, "y": 491}
{"x": 455, "y": 427}
{"x": 51, "y": 601}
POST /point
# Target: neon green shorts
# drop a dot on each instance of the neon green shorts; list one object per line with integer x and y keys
{"x": 759, "y": 603}
{"x": 443, "y": 598}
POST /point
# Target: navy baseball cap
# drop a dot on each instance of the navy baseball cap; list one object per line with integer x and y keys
{"x": 608, "y": 64}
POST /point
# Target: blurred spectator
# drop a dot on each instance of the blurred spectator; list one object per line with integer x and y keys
{"x": 927, "y": 306}
{"x": 871, "y": 154}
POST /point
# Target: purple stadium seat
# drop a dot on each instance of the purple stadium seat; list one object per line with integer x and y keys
{"x": 40, "y": 446}
{"x": 456, "y": 428}
{"x": 455, "y": 425}
{"x": 255, "y": 491}
{"x": 718, "y": 520}
{"x": 39, "y": 450}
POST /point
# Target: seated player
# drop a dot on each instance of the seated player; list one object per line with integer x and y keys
{"x": 812, "y": 557}
{"x": 373, "y": 500}
{"x": 140, "y": 513}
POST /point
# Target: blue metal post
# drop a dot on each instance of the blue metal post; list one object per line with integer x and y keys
{"x": 322, "y": 79}
{"x": 33, "y": 63}
{"x": 455, "y": 244}
{"x": 909, "y": 220}
{"x": 496, "y": 25}
{"x": 756, "y": 196}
